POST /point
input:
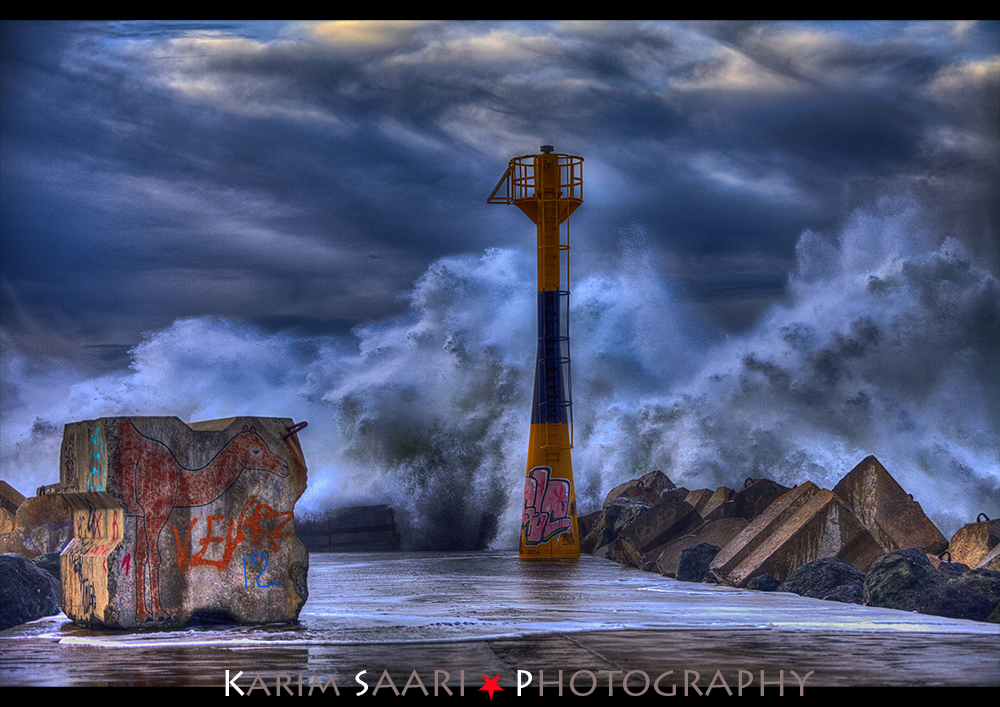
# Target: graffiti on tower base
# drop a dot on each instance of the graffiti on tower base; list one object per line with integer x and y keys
{"x": 546, "y": 506}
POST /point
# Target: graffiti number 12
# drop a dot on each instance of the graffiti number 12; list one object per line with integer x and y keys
{"x": 253, "y": 561}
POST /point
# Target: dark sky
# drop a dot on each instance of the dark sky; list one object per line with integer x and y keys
{"x": 301, "y": 175}
{"x": 786, "y": 258}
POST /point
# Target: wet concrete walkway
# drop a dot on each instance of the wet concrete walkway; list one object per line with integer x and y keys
{"x": 488, "y": 613}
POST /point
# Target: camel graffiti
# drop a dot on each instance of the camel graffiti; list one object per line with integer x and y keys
{"x": 153, "y": 483}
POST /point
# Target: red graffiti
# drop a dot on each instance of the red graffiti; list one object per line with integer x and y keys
{"x": 153, "y": 483}
{"x": 253, "y": 522}
{"x": 126, "y": 561}
{"x": 546, "y": 506}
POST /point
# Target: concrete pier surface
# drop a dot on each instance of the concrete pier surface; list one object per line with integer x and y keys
{"x": 410, "y": 620}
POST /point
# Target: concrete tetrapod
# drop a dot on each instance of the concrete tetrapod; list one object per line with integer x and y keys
{"x": 977, "y": 544}
{"x": 805, "y": 524}
{"x": 42, "y": 525}
{"x": 894, "y": 519}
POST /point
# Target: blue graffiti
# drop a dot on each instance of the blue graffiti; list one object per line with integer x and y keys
{"x": 253, "y": 561}
{"x": 97, "y": 448}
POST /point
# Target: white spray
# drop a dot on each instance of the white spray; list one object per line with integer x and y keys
{"x": 886, "y": 343}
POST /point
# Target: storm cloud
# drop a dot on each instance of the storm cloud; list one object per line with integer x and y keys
{"x": 803, "y": 206}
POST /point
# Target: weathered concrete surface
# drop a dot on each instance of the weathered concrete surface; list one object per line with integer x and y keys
{"x": 586, "y": 523}
{"x": 42, "y": 525}
{"x": 756, "y": 495}
{"x": 351, "y": 529}
{"x": 698, "y": 498}
{"x": 613, "y": 520}
{"x": 678, "y": 493}
{"x": 792, "y": 528}
{"x": 709, "y": 503}
{"x": 171, "y": 521}
{"x": 896, "y": 521}
{"x": 991, "y": 560}
{"x": 10, "y": 499}
{"x": 803, "y": 525}
{"x": 7, "y": 521}
{"x": 974, "y": 541}
{"x": 650, "y": 486}
{"x": 660, "y": 524}
{"x": 623, "y": 552}
{"x": 720, "y": 532}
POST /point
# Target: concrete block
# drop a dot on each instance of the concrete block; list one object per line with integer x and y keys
{"x": 586, "y": 523}
{"x": 805, "y": 524}
{"x": 675, "y": 494}
{"x": 174, "y": 521}
{"x": 756, "y": 495}
{"x": 660, "y": 524}
{"x": 41, "y": 525}
{"x": 698, "y": 498}
{"x": 7, "y": 521}
{"x": 974, "y": 541}
{"x": 597, "y": 525}
{"x": 990, "y": 561}
{"x": 720, "y": 533}
{"x": 650, "y": 485}
{"x": 10, "y": 499}
{"x": 715, "y": 507}
{"x": 719, "y": 506}
{"x": 624, "y": 552}
{"x": 896, "y": 521}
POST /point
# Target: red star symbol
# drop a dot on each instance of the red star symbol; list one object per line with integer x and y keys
{"x": 490, "y": 685}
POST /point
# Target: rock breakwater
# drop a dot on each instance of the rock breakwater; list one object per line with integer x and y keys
{"x": 866, "y": 541}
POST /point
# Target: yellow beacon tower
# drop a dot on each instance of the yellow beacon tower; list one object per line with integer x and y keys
{"x": 548, "y": 187}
